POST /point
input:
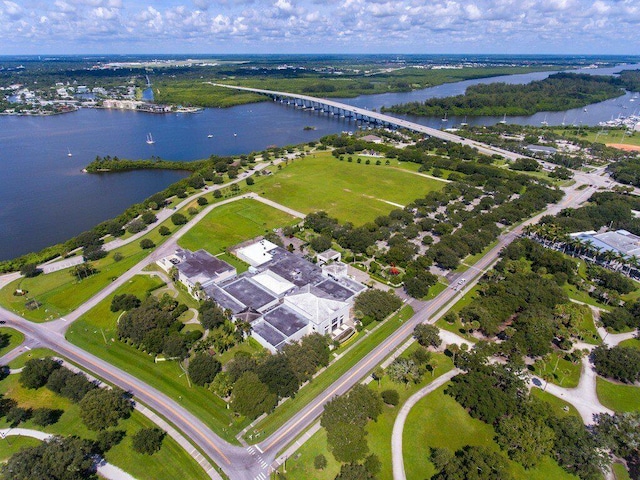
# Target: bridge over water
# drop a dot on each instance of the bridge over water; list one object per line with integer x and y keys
{"x": 343, "y": 110}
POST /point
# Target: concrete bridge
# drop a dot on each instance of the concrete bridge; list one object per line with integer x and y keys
{"x": 342, "y": 110}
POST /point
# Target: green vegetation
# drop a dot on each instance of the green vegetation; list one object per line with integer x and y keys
{"x": 11, "y": 445}
{"x": 348, "y": 191}
{"x": 169, "y": 463}
{"x": 423, "y": 431}
{"x": 9, "y": 339}
{"x": 561, "y": 91}
{"x": 619, "y": 398}
{"x": 197, "y": 92}
{"x": 107, "y": 164}
{"x": 560, "y": 369}
{"x": 233, "y": 223}
{"x": 560, "y": 407}
{"x": 334, "y": 371}
{"x": 96, "y": 331}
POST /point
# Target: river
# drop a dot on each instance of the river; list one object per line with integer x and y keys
{"x": 46, "y": 199}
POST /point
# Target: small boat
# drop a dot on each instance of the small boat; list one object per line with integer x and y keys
{"x": 504, "y": 119}
{"x": 210, "y": 136}
{"x": 150, "y": 139}
{"x": 235, "y": 134}
{"x": 69, "y": 154}
{"x": 464, "y": 123}
{"x": 544, "y": 122}
{"x": 445, "y": 119}
{"x": 584, "y": 109}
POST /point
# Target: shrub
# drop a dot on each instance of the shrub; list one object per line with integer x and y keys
{"x": 164, "y": 231}
{"x": 148, "y": 440}
{"x": 192, "y": 211}
{"x": 320, "y": 462}
{"x": 178, "y": 219}
{"x": 136, "y": 226}
{"x": 202, "y": 201}
{"x": 146, "y": 244}
{"x": 391, "y": 397}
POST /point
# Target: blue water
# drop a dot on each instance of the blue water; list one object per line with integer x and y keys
{"x": 46, "y": 199}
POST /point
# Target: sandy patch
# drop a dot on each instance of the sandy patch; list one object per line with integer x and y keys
{"x": 623, "y": 146}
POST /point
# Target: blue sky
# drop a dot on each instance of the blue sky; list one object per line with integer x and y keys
{"x": 319, "y": 26}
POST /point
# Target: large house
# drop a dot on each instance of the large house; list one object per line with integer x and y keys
{"x": 282, "y": 295}
{"x": 197, "y": 270}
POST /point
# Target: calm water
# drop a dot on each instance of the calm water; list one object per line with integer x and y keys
{"x": 46, "y": 199}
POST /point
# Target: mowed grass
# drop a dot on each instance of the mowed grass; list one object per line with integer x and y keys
{"x": 349, "y": 191}
{"x": 438, "y": 421}
{"x": 10, "y": 339}
{"x": 378, "y": 433}
{"x": 559, "y": 406}
{"x": 96, "y": 332}
{"x": 230, "y": 224}
{"x": 562, "y": 372}
{"x": 169, "y": 463}
{"x": 632, "y": 342}
{"x": 617, "y": 397}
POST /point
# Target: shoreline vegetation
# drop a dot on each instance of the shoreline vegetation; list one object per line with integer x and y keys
{"x": 561, "y": 91}
{"x": 114, "y": 164}
{"x": 198, "y": 92}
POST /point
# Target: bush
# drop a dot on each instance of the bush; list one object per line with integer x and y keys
{"x": 126, "y": 301}
{"x": 148, "y": 440}
{"x": 164, "y": 231}
{"x": 202, "y": 201}
{"x": 250, "y": 181}
{"x": 136, "y": 226}
{"x": 43, "y": 417}
{"x": 148, "y": 218}
{"x": 203, "y": 368}
{"x": 16, "y": 415}
{"x": 107, "y": 439}
{"x": 320, "y": 462}
{"x": 377, "y": 303}
{"x": 117, "y": 257}
{"x": 30, "y": 270}
{"x": 36, "y": 372}
{"x": 178, "y": 219}
{"x": 146, "y": 244}
{"x": 192, "y": 211}
{"x": 390, "y": 397}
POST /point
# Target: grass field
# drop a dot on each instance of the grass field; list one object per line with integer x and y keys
{"x": 632, "y": 342}
{"x": 90, "y": 331}
{"x": 378, "y": 432}
{"x": 620, "y": 472}
{"x": 563, "y": 372}
{"x": 352, "y": 192}
{"x": 233, "y": 223}
{"x": 620, "y": 398}
{"x": 10, "y": 339}
{"x": 169, "y": 463}
{"x": 439, "y": 421}
{"x": 11, "y": 445}
{"x": 602, "y": 135}
{"x": 560, "y": 407}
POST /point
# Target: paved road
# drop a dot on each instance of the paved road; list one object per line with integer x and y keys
{"x": 398, "y": 426}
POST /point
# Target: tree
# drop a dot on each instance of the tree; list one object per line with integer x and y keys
{"x": 148, "y": 440}
{"x": 202, "y": 201}
{"x": 251, "y": 397}
{"x": 576, "y": 449}
{"x": 43, "y": 417}
{"x": 211, "y": 315}
{"x": 475, "y": 463}
{"x": 107, "y": 439}
{"x": 525, "y": 439}
{"x": 36, "y": 372}
{"x": 146, "y": 244}
{"x": 320, "y": 243}
{"x": 250, "y": 181}
{"x": 404, "y": 370}
{"x": 390, "y": 397}
{"x": 320, "y": 462}
{"x": 125, "y": 301}
{"x": 620, "y": 433}
{"x": 621, "y": 363}
{"x": 203, "y": 369}
{"x": 164, "y": 231}
{"x": 30, "y": 270}
{"x": 102, "y": 408}
{"x": 427, "y": 335}
{"x": 148, "y": 218}
{"x": 377, "y": 304}
{"x": 16, "y": 415}
{"x": 347, "y": 442}
{"x": 136, "y": 226}
{"x": 353, "y": 471}
{"x": 69, "y": 458}
{"x": 178, "y": 219}
{"x": 276, "y": 372}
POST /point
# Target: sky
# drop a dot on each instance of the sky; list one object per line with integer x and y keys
{"x": 319, "y": 26}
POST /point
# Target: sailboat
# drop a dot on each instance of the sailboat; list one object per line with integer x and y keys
{"x": 445, "y": 119}
{"x": 210, "y": 135}
{"x": 504, "y": 119}
{"x": 150, "y": 139}
{"x": 563, "y": 119}
{"x": 69, "y": 154}
{"x": 544, "y": 122}
{"x": 464, "y": 123}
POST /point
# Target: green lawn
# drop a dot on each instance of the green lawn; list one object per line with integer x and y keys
{"x": 587, "y": 328}
{"x": 169, "y": 463}
{"x": 90, "y": 331}
{"x": 560, "y": 407}
{"x": 300, "y": 466}
{"x": 11, "y": 445}
{"x": 563, "y": 372}
{"x": 632, "y": 342}
{"x": 233, "y": 223}
{"x": 457, "y": 327}
{"x": 620, "y": 398}
{"x": 352, "y": 192}
{"x": 10, "y": 339}
{"x": 439, "y": 421}
{"x": 285, "y": 411}
{"x": 620, "y": 472}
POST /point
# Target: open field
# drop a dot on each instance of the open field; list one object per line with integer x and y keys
{"x": 349, "y": 191}
{"x": 632, "y": 342}
{"x": 562, "y": 372}
{"x": 618, "y": 397}
{"x": 378, "y": 437}
{"x": 602, "y": 135}
{"x": 96, "y": 333}
{"x": 439, "y": 421}
{"x": 233, "y": 223}
{"x": 9, "y": 339}
{"x": 560, "y": 407}
{"x": 169, "y": 463}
